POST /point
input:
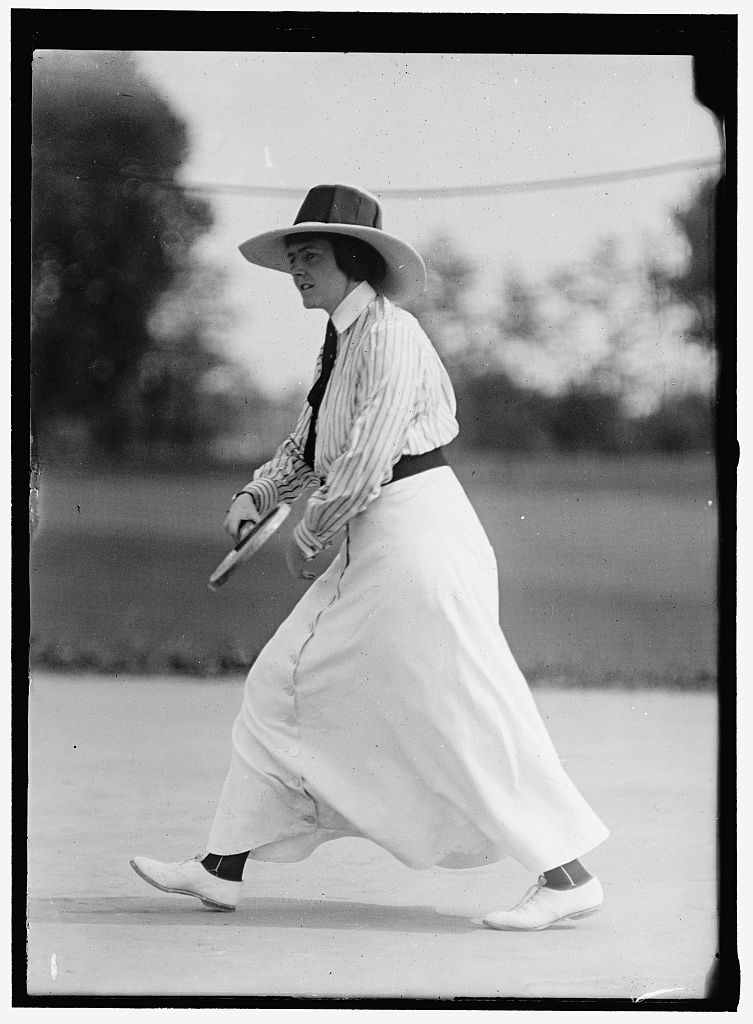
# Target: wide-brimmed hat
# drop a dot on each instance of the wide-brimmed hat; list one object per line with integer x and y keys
{"x": 344, "y": 210}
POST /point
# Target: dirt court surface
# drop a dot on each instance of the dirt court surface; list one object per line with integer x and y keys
{"x": 125, "y": 766}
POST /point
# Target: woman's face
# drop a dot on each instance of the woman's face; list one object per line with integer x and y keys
{"x": 321, "y": 283}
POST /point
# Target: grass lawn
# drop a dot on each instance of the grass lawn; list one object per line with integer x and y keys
{"x": 607, "y": 569}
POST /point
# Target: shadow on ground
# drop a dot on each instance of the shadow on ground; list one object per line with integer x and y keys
{"x": 167, "y": 910}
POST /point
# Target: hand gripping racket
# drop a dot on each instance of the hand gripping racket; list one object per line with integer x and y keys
{"x": 251, "y": 540}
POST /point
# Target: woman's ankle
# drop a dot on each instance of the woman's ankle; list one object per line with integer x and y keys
{"x": 228, "y": 866}
{"x": 567, "y": 876}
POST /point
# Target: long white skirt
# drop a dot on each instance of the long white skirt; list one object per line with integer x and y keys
{"x": 388, "y": 705}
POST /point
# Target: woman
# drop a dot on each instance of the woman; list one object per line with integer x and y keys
{"x": 388, "y": 705}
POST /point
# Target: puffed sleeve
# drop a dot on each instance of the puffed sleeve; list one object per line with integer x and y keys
{"x": 391, "y": 362}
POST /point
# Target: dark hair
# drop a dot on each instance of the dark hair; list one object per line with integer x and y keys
{"x": 358, "y": 260}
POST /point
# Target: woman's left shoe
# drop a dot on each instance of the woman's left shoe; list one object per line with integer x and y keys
{"x": 542, "y": 907}
{"x": 190, "y": 878}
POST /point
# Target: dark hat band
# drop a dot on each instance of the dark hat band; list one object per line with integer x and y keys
{"x": 338, "y": 204}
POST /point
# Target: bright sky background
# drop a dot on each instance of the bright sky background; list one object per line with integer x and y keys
{"x": 429, "y": 120}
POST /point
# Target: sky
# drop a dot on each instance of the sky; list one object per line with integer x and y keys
{"x": 392, "y": 121}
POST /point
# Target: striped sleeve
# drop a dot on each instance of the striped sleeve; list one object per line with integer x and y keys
{"x": 391, "y": 375}
{"x": 286, "y": 474}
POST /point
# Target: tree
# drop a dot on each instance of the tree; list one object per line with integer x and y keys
{"x": 442, "y": 309}
{"x": 590, "y": 358}
{"x": 111, "y": 230}
{"x": 600, "y": 328}
{"x": 497, "y": 413}
{"x": 181, "y": 393}
{"x": 519, "y": 316}
{"x": 692, "y": 283}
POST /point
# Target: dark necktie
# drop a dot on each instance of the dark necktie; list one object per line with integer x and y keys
{"x": 316, "y": 394}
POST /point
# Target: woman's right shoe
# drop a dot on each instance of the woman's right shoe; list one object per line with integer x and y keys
{"x": 190, "y": 878}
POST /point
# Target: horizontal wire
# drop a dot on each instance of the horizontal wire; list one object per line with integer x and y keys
{"x": 550, "y": 183}
{"x": 448, "y": 192}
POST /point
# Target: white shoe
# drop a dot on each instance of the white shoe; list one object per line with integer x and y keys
{"x": 542, "y": 907}
{"x": 190, "y": 878}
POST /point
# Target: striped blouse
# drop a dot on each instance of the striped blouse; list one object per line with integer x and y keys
{"x": 389, "y": 395}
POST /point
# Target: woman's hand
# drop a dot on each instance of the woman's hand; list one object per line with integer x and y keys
{"x": 241, "y": 511}
{"x": 299, "y": 566}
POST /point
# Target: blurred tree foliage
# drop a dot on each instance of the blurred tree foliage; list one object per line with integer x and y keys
{"x": 692, "y": 283}
{"x": 443, "y": 308}
{"x": 496, "y": 413}
{"x": 607, "y": 356}
{"x": 111, "y": 233}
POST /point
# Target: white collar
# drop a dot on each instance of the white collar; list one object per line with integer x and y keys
{"x": 352, "y": 306}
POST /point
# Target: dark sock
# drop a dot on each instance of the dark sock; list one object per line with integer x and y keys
{"x": 567, "y": 876}
{"x": 228, "y": 866}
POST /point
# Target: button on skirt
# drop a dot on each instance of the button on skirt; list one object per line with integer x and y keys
{"x": 388, "y": 705}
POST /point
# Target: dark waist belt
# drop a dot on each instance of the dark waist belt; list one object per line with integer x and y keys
{"x": 408, "y": 465}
